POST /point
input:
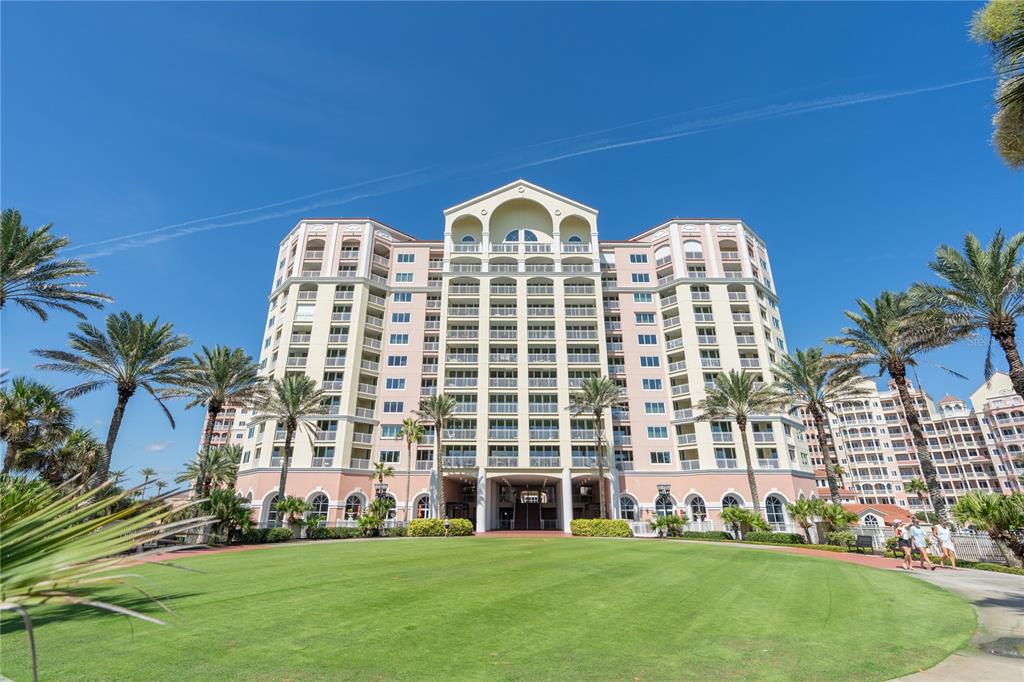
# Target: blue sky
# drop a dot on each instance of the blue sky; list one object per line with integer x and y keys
{"x": 834, "y": 130}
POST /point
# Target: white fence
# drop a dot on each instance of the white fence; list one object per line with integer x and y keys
{"x": 969, "y": 545}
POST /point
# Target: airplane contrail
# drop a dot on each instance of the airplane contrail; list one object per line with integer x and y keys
{"x": 412, "y": 178}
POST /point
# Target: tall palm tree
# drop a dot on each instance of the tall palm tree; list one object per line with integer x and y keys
{"x": 738, "y": 396}
{"x": 411, "y": 432}
{"x": 892, "y": 333}
{"x": 33, "y": 417}
{"x": 596, "y": 396}
{"x": 437, "y": 410}
{"x": 292, "y": 403}
{"x": 982, "y": 288}
{"x": 33, "y": 275}
{"x": 130, "y": 353}
{"x": 1000, "y": 25}
{"x": 840, "y": 472}
{"x": 160, "y": 485}
{"x": 803, "y": 512}
{"x": 215, "y": 378}
{"x": 147, "y": 473}
{"x": 1001, "y": 516}
{"x": 216, "y": 468}
{"x": 817, "y": 385}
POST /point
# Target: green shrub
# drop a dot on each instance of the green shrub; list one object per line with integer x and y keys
{"x": 601, "y": 528}
{"x": 345, "y": 533}
{"x": 842, "y": 538}
{"x": 254, "y": 536}
{"x": 892, "y": 545}
{"x": 279, "y": 535}
{"x": 707, "y": 535}
{"x": 775, "y": 538}
{"x": 319, "y": 532}
{"x": 995, "y": 568}
{"x": 399, "y": 532}
{"x": 420, "y": 528}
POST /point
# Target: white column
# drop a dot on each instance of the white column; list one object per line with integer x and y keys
{"x": 434, "y": 499}
{"x": 481, "y": 500}
{"x": 614, "y": 488}
{"x": 566, "y": 500}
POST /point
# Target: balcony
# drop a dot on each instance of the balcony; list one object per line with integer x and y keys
{"x": 463, "y": 312}
{"x": 682, "y": 415}
{"x": 368, "y": 365}
{"x": 584, "y": 461}
{"x": 707, "y": 339}
{"x": 543, "y": 434}
{"x": 584, "y": 358}
{"x": 580, "y": 312}
{"x": 750, "y": 363}
{"x": 465, "y": 289}
{"x": 359, "y": 463}
{"x": 300, "y": 338}
{"x": 721, "y": 437}
{"x": 543, "y": 408}
{"x": 676, "y": 366}
{"x": 503, "y": 290}
{"x": 503, "y": 358}
{"x": 686, "y": 438}
{"x": 334, "y": 361}
{"x": 737, "y": 296}
{"x": 346, "y": 274}
{"x": 576, "y": 248}
{"x": 614, "y": 347}
{"x": 314, "y": 254}
{"x": 537, "y": 248}
{"x": 577, "y": 267}
{"x": 622, "y": 439}
{"x": 460, "y": 461}
{"x": 377, "y": 322}
{"x": 341, "y": 317}
{"x": 460, "y": 382}
{"x": 772, "y": 463}
{"x": 466, "y": 247}
{"x": 742, "y": 317}
{"x": 471, "y": 358}
{"x": 328, "y": 435}
{"x": 463, "y": 334}
{"x": 306, "y": 296}
{"x": 424, "y": 464}
{"x": 581, "y": 335}
{"x": 583, "y": 434}
{"x": 711, "y": 363}
{"x": 620, "y": 415}
{"x": 364, "y": 412}
{"x": 296, "y": 362}
{"x": 503, "y": 434}
{"x": 349, "y": 254}
{"x": 726, "y": 462}
{"x": 503, "y": 311}
{"x": 332, "y": 385}
{"x": 689, "y": 464}
{"x": 672, "y": 344}
{"x": 502, "y": 267}
{"x": 364, "y": 438}
{"x": 427, "y": 391}
{"x": 431, "y": 346}
{"x": 337, "y": 338}
{"x": 502, "y": 335}
{"x": 545, "y": 461}
{"x": 504, "y": 248}
{"x": 542, "y": 382}
{"x": 540, "y": 289}
{"x": 611, "y": 305}
{"x": 502, "y": 461}
{"x": 540, "y": 312}
{"x": 746, "y": 340}
{"x": 672, "y": 321}
{"x": 466, "y": 267}
{"x": 540, "y": 334}
{"x": 503, "y": 408}
{"x": 541, "y": 358}
{"x": 578, "y": 290}
{"x": 465, "y": 408}
{"x": 460, "y": 434}
{"x": 367, "y": 389}
{"x": 680, "y": 389}
{"x": 322, "y": 462}
{"x": 502, "y": 382}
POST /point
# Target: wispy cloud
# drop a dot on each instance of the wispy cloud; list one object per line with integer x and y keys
{"x": 550, "y": 151}
{"x": 158, "y": 446}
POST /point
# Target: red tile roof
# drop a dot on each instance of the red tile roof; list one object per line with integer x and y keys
{"x": 888, "y": 512}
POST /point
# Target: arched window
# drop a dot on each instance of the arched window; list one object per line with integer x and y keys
{"x": 423, "y": 507}
{"x": 273, "y": 516}
{"x": 730, "y": 501}
{"x": 774, "y": 511}
{"x": 698, "y": 510}
{"x": 870, "y": 520}
{"x": 318, "y": 508}
{"x": 575, "y": 239}
{"x": 353, "y": 507}
{"x": 529, "y": 236}
{"x": 512, "y": 236}
{"x": 693, "y": 249}
{"x": 468, "y": 238}
{"x": 627, "y": 508}
{"x": 394, "y": 505}
{"x": 663, "y": 506}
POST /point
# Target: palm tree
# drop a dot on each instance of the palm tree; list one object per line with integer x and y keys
{"x": 891, "y": 333}
{"x": 231, "y": 511}
{"x": 292, "y": 510}
{"x": 817, "y": 385}
{"x": 291, "y": 403}
{"x": 33, "y": 417}
{"x": 803, "y": 512}
{"x": 31, "y": 274}
{"x": 738, "y": 396}
{"x": 596, "y": 396}
{"x": 982, "y": 288}
{"x": 438, "y": 409}
{"x": 412, "y": 432}
{"x": 840, "y": 472}
{"x": 217, "y": 468}
{"x": 380, "y": 472}
{"x": 160, "y": 485}
{"x": 147, "y": 473}
{"x": 917, "y": 487}
{"x": 1001, "y": 516}
{"x": 130, "y": 353}
{"x": 217, "y": 377}
{"x": 77, "y": 456}
{"x": 1000, "y": 25}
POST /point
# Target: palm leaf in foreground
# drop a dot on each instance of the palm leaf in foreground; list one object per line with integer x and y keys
{"x": 63, "y": 546}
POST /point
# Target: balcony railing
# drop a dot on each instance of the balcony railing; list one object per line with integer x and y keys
{"x": 583, "y": 434}
{"x": 460, "y": 382}
{"x": 581, "y": 335}
{"x": 710, "y": 362}
{"x": 503, "y": 408}
{"x": 504, "y": 248}
{"x": 334, "y": 361}
{"x": 502, "y": 461}
{"x": 467, "y": 334}
{"x": 502, "y": 382}
{"x": 537, "y": 248}
{"x": 337, "y": 338}
{"x": 460, "y": 434}
{"x": 371, "y": 342}
{"x": 689, "y": 464}
{"x": 332, "y": 385}
{"x": 359, "y": 463}
{"x": 543, "y": 434}
{"x": 737, "y": 295}
{"x": 726, "y": 463}
{"x": 540, "y": 334}
{"x": 365, "y": 438}
{"x": 545, "y": 461}
{"x": 542, "y": 382}
{"x": 584, "y": 461}
{"x": 686, "y": 438}
{"x": 503, "y": 434}
{"x": 543, "y": 408}
{"x": 460, "y": 461}
{"x": 466, "y": 248}
{"x": 541, "y": 358}
{"x": 465, "y": 408}
{"x": 583, "y": 358}
{"x": 680, "y": 389}
{"x": 503, "y": 358}
{"x": 296, "y": 362}
{"x": 721, "y": 437}
{"x": 682, "y": 414}
{"x": 746, "y": 340}
{"x": 469, "y": 289}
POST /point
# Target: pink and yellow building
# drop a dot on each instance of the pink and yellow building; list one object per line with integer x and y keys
{"x": 508, "y": 313}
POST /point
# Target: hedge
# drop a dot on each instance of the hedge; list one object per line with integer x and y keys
{"x": 842, "y": 537}
{"x": 601, "y": 528}
{"x": 710, "y": 537}
{"x": 321, "y": 533}
{"x": 985, "y": 566}
{"x": 420, "y": 528}
{"x": 707, "y": 535}
{"x": 779, "y": 538}
{"x": 280, "y": 535}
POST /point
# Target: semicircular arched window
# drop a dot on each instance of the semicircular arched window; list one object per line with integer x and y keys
{"x": 273, "y": 516}
{"x": 353, "y": 507}
{"x": 575, "y": 239}
{"x": 423, "y": 507}
{"x": 512, "y": 236}
{"x": 468, "y": 238}
{"x": 774, "y": 511}
{"x": 627, "y": 508}
{"x": 730, "y": 501}
{"x": 698, "y": 510}
{"x": 529, "y": 236}
{"x": 318, "y": 508}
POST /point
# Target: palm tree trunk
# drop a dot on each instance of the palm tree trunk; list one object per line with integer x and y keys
{"x": 599, "y": 430}
{"x": 408, "y": 478}
{"x": 284, "y": 462}
{"x": 213, "y": 411}
{"x": 10, "y": 456}
{"x": 103, "y": 466}
{"x": 439, "y": 468}
{"x": 1005, "y": 333}
{"x": 830, "y": 473}
{"x": 807, "y": 534}
{"x": 931, "y": 476}
{"x": 741, "y": 423}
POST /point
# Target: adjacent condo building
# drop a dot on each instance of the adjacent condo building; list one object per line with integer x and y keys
{"x": 508, "y": 313}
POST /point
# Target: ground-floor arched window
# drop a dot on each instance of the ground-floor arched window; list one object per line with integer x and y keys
{"x": 627, "y": 508}
{"x": 423, "y": 507}
{"x": 698, "y": 510}
{"x": 774, "y": 510}
{"x": 353, "y": 507}
{"x": 318, "y": 508}
{"x": 273, "y": 516}
{"x": 663, "y": 506}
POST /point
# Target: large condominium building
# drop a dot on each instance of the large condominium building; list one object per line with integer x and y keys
{"x": 508, "y": 314}
{"x": 228, "y": 427}
{"x": 973, "y": 445}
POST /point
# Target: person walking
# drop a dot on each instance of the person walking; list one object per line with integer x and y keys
{"x": 917, "y": 536}
{"x": 945, "y": 537}
{"x": 903, "y": 542}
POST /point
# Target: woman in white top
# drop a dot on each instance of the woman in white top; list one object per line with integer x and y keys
{"x": 945, "y": 537}
{"x": 903, "y": 542}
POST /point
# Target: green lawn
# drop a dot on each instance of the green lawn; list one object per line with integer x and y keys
{"x": 503, "y": 608}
